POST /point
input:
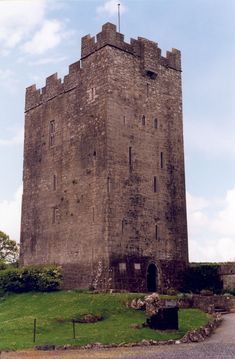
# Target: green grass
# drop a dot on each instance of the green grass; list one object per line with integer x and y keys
{"x": 55, "y": 311}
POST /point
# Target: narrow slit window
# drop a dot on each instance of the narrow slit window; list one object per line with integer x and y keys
{"x": 155, "y": 184}
{"x": 155, "y": 124}
{"x": 130, "y": 157}
{"x": 147, "y": 90}
{"x": 124, "y": 120}
{"x": 161, "y": 160}
{"x": 93, "y": 214}
{"x": 54, "y": 214}
{"x": 92, "y": 93}
{"x": 123, "y": 224}
{"x": 143, "y": 120}
{"x": 54, "y": 182}
{"x": 156, "y": 231}
{"x": 109, "y": 184}
{"x": 52, "y": 133}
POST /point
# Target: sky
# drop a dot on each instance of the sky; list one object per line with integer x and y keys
{"x": 41, "y": 37}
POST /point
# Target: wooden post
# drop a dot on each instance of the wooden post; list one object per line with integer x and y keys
{"x": 74, "y": 334}
{"x": 34, "y": 330}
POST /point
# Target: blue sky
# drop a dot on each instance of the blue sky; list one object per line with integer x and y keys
{"x": 40, "y": 37}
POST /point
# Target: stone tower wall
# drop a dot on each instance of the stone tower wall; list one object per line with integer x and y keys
{"x": 118, "y": 163}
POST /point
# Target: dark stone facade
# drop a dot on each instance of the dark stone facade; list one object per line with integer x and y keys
{"x": 104, "y": 186}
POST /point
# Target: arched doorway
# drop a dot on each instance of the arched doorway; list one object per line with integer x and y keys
{"x": 152, "y": 278}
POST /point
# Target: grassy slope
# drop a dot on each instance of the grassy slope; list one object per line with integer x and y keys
{"x": 54, "y": 312}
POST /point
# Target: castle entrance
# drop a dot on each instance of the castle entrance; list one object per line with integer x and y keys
{"x": 152, "y": 278}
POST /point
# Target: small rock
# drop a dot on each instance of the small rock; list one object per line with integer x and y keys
{"x": 195, "y": 337}
{"x": 67, "y": 346}
{"x": 88, "y": 346}
{"x": 135, "y": 326}
{"x": 45, "y": 347}
{"x": 207, "y": 331}
{"x": 145, "y": 342}
{"x": 185, "y": 339}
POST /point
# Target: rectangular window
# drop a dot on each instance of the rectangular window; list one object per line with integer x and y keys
{"x": 122, "y": 267}
{"x": 137, "y": 266}
{"x": 93, "y": 214}
{"x": 161, "y": 159}
{"x": 143, "y": 120}
{"x": 52, "y": 133}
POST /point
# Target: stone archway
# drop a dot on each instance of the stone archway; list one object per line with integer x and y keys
{"x": 152, "y": 278}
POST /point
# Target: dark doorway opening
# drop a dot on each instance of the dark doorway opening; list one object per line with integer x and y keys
{"x": 152, "y": 278}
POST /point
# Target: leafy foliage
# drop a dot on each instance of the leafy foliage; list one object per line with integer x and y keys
{"x": 34, "y": 278}
{"x": 203, "y": 277}
{"x": 9, "y": 249}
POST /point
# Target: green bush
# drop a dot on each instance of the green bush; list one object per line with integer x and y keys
{"x": 34, "y": 278}
{"x": 203, "y": 277}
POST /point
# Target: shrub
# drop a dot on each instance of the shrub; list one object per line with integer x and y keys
{"x": 34, "y": 278}
{"x": 203, "y": 276}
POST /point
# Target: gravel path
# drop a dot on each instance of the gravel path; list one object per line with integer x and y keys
{"x": 220, "y": 345}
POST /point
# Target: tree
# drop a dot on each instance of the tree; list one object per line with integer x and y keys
{"x": 9, "y": 249}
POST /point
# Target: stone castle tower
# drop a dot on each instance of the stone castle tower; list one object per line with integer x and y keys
{"x": 104, "y": 185}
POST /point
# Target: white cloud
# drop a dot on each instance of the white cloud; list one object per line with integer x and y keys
{"x": 49, "y": 36}
{"x": 211, "y": 228}
{"x": 25, "y": 24}
{"x": 212, "y": 250}
{"x": 225, "y": 221}
{"x": 18, "y": 20}
{"x": 110, "y": 8}
{"x": 17, "y": 139}
{"x": 196, "y": 203}
{"x": 10, "y": 215}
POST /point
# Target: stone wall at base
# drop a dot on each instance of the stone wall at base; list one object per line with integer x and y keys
{"x": 124, "y": 273}
{"x": 227, "y": 275}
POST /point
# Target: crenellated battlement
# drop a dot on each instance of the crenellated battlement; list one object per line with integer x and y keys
{"x": 54, "y": 87}
{"x": 148, "y": 51}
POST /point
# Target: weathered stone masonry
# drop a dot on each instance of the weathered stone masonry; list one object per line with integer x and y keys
{"x": 104, "y": 186}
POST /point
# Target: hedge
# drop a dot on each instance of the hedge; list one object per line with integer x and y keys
{"x": 203, "y": 277}
{"x": 33, "y": 278}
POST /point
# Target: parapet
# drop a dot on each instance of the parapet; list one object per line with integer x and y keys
{"x": 148, "y": 51}
{"x": 54, "y": 86}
